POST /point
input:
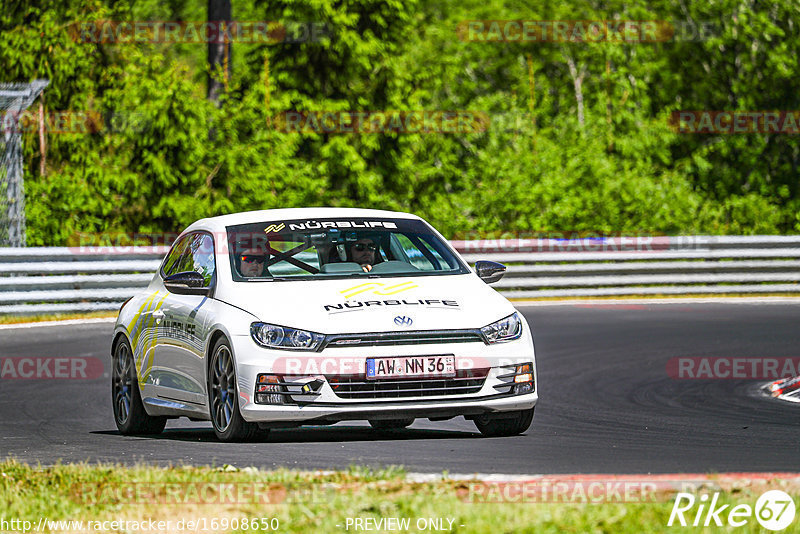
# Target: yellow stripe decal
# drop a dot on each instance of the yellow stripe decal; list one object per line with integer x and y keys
{"x": 361, "y": 288}
{"x": 135, "y": 328}
{"x": 149, "y": 353}
{"x": 393, "y": 290}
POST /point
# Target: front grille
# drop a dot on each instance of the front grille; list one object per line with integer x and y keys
{"x": 357, "y": 387}
{"x": 418, "y": 337}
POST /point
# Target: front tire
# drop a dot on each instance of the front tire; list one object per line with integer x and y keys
{"x": 223, "y": 397}
{"x": 129, "y": 413}
{"x": 494, "y": 426}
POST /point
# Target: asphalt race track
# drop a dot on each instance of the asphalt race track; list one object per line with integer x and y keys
{"x": 607, "y": 404}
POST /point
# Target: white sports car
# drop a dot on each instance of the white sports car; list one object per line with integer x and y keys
{"x": 279, "y": 318}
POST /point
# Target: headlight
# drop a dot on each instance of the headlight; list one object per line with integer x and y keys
{"x": 281, "y": 337}
{"x": 507, "y": 329}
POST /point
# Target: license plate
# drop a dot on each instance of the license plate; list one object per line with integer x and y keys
{"x": 411, "y": 366}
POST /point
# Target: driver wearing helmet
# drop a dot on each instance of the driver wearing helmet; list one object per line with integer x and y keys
{"x": 250, "y": 258}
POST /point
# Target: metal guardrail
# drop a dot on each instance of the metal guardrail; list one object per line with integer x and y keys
{"x": 624, "y": 266}
{"x": 66, "y": 279}
{"x": 54, "y": 280}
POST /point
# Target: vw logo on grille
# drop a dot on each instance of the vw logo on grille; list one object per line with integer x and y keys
{"x": 402, "y": 320}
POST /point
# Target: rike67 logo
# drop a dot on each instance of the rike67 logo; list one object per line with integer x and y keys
{"x": 774, "y": 510}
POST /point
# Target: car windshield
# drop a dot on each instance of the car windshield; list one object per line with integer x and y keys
{"x": 338, "y": 248}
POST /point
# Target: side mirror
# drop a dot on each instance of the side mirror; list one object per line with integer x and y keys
{"x": 186, "y": 283}
{"x": 489, "y": 271}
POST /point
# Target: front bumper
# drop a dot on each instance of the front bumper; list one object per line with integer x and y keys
{"x": 325, "y": 406}
{"x": 438, "y": 409}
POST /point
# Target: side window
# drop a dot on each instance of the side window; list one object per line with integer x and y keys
{"x": 195, "y": 252}
{"x": 414, "y": 254}
{"x": 422, "y": 253}
{"x": 174, "y": 257}
{"x": 435, "y": 253}
{"x": 202, "y": 249}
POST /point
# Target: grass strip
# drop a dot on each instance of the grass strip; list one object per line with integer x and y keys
{"x": 303, "y": 501}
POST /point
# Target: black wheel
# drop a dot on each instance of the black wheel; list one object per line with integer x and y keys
{"x": 504, "y": 424}
{"x": 390, "y": 424}
{"x": 224, "y": 399}
{"x": 129, "y": 412}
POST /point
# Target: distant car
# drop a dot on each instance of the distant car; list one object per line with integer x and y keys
{"x": 279, "y": 318}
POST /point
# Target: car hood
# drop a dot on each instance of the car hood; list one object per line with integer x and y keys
{"x": 372, "y": 305}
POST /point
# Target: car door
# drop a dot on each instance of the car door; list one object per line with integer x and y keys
{"x": 144, "y": 333}
{"x": 179, "y": 355}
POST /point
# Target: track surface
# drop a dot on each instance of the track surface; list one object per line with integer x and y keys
{"x": 607, "y": 404}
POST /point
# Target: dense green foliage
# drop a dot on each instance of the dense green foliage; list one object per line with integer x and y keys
{"x": 614, "y": 165}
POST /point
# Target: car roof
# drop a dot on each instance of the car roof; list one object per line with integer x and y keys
{"x": 221, "y": 222}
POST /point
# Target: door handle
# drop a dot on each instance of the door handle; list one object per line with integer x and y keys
{"x": 158, "y": 315}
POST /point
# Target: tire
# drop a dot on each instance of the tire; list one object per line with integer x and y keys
{"x": 126, "y": 399}
{"x": 390, "y": 424}
{"x": 494, "y": 426}
{"x": 223, "y": 397}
